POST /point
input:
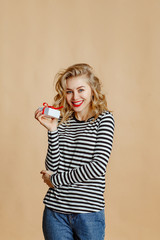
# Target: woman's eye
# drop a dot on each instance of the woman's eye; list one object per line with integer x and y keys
{"x": 81, "y": 90}
{"x": 68, "y": 92}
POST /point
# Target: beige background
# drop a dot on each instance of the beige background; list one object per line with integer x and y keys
{"x": 120, "y": 39}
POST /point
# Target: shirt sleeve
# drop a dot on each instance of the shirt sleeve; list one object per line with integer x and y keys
{"x": 53, "y": 154}
{"x": 97, "y": 167}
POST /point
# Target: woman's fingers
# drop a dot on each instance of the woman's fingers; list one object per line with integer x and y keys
{"x": 42, "y": 119}
{"x": 46, "y": 177}
{"x": 49, "y": 172}
{"x": 37, "y": 113}
{"x": 47, "y": 122}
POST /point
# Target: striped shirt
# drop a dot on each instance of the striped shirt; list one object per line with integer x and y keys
{"x": 77, "y": 155}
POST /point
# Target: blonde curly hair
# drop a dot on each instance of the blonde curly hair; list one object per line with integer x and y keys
{"x": 98, "y": 102}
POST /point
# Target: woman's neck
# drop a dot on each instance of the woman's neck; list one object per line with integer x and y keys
{"x": 85, "y": 116}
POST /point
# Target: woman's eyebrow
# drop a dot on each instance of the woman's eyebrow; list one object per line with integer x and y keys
{"x": 77, "y": 88}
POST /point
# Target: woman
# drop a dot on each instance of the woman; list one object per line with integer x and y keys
{"x": 79, "y": 147}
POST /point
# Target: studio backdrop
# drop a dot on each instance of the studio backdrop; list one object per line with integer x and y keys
{"x": 120, "y": 40}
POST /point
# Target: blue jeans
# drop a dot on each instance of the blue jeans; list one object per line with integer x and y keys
{"x": 81, "y": 226}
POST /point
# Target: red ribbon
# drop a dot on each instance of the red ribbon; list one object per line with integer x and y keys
{"x": 46, "y": 106}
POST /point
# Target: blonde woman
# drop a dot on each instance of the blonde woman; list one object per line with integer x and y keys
{"x": 79, "y": 147}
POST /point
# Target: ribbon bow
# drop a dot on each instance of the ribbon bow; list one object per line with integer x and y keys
{"x": 46, "y": 106}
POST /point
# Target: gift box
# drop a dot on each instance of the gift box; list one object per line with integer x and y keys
{"x": 50, "y": 111}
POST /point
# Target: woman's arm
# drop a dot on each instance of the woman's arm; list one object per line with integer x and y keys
{"x": 53, "y": 153}
{"x": 53, "y": 148}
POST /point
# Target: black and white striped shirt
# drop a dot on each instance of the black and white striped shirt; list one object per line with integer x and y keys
{"x": 77, "y": 155}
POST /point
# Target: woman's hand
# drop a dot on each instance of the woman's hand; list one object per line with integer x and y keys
{"x": 49, "y": 123}
{"x": 46, "y": 177}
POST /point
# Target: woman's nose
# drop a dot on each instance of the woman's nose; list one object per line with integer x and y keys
{"x": 75, "y": 95}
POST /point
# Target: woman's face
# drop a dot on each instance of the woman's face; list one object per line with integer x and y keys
{"x": 78, "y": 94}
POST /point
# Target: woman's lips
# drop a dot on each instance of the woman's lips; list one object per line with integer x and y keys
{"x": 77, "y": 104}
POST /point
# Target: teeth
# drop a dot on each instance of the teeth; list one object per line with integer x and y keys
{"x": 77, "y": 103}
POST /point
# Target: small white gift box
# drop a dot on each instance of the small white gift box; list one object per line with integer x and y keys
{"x": 50, "y": 111}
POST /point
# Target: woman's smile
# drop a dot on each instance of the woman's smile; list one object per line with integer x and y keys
{"x": 77, "y": 103}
